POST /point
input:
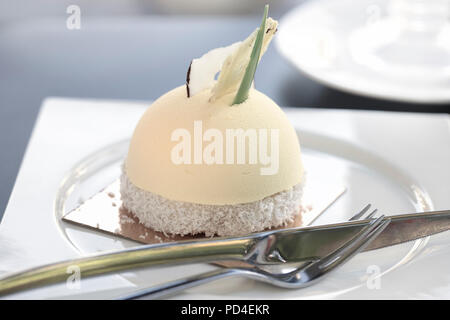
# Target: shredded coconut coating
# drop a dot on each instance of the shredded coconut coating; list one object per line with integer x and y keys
{"x": 184, "y": 218}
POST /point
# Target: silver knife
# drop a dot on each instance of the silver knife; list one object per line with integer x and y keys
{"x": 306, "y": 244}
{"x": 290, "y": 245}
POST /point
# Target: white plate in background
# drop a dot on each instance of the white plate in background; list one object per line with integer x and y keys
{"x": 345, "y": 44}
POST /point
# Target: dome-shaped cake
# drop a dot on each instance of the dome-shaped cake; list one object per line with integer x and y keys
{"x": 200, "y": 162}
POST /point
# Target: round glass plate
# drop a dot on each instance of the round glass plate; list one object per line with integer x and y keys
{"x": 368, "y": 178}
{"x": 389, "y": 49}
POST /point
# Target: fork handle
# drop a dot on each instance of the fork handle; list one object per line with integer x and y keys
{"x": 128, "y": 259}
{"x": 172, "y": 287}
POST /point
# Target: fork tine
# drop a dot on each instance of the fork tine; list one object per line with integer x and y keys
{"x": 370, "y": 215}
{"x": 350, "y": 248}
{"x": 359, "y": 214}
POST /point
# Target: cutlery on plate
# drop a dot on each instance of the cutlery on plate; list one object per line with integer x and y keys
{"x": 271, "y": 247}
{"x": 267, "y": 274}
{"x": 300, "y": 277}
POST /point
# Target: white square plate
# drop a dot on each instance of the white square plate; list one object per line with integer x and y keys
{"x": 399, "y": 162}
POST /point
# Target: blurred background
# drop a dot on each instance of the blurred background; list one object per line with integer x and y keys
{"x": 391, "y": 55}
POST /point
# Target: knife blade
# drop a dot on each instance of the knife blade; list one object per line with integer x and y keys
{"x": 315, "y": 242}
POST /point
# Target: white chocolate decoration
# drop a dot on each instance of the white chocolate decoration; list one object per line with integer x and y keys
{"x": 231, "y": 61}
{"x": 150, "y": 163}
{"x": 233, "y": 68}
{"x": 202, "y": 71}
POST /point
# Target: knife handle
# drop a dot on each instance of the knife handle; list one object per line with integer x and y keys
{"x": 128, "y": 259}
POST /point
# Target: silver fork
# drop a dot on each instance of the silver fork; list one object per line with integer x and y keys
{"x": 300, "y": 277}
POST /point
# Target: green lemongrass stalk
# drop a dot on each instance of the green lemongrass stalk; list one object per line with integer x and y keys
{"x": 249, "y": 75}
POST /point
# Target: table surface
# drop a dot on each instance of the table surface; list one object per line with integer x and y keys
{"x": 136, "y": 58}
